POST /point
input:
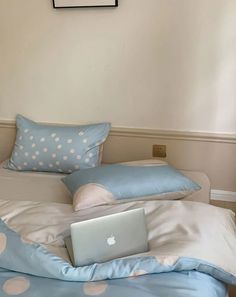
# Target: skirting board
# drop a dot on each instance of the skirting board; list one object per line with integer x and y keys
{"x": 220, "y": 195}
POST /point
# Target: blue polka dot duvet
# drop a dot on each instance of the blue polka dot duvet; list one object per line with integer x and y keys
{"x": 192, "y": 252}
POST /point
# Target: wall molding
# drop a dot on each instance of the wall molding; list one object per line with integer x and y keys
{"x": 155, "y": 133}
{"x": 7, "y": 124}
{"x": 220, "y": 195}
{"x": 174, "y": 135}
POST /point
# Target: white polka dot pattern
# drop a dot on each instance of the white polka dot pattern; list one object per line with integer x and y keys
{"x": 95, "y": 288}
{"x": 167, "y": 260}
{"x": 16, "y": 286}
{"x": 137, "y": 273}
{"x": 54, "y": 148}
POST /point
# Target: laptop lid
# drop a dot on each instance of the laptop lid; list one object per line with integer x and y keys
{"x": 109, "y": 237}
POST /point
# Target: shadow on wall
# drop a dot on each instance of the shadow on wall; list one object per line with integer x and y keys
{"x": 199, "y": 69}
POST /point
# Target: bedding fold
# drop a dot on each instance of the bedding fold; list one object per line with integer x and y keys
{"x": 183, "y": 237}
{"x": 191, "y": 284}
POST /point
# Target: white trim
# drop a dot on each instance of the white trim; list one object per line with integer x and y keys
{"x": 157, "y": 134}
{"x": 173, "y": 135}
{"x": 223, "y": 195}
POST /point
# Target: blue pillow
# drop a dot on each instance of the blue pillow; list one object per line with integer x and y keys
{"x": 52, "y": 148}
{"x": 110, "y": 184}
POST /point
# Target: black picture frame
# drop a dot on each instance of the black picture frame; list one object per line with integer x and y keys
{"x": 55, "y": 5}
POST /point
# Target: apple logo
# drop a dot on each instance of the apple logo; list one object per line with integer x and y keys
{"x": 111, "y": 240}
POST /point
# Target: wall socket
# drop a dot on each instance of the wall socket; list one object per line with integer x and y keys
{"x": 159, "y": 151}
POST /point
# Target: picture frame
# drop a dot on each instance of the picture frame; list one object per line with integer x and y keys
{"x": 84, "y": 3}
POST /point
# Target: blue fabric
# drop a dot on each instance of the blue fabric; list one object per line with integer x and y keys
{"x": 15, "y": 255}
{"x": 40, "y": 147}
{"x": 127, "y": 181}
{"x": 173, "y": 284}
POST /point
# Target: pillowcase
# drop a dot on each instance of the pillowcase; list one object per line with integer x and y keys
{"x": 110, "y": 184}
{"x": 52, "y": 148}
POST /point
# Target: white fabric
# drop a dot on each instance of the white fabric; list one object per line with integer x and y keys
{"x": 91, "y": 195}
{"x": 176, "y": 228}
{"x": 149, "y": 162}
{"x": 35, "y": 186}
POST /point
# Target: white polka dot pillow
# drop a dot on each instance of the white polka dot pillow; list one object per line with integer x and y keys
{"x": 51, "y": 148}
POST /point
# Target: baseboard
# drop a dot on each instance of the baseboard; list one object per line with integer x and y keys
{"x": 223, "y": 195}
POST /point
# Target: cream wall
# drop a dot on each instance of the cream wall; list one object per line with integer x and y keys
{"x": 162, "y": 64}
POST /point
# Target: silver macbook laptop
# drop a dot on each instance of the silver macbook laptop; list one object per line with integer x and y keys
{"x": 109, "y": 237}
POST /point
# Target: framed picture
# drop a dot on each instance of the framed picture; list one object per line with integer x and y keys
{"x": 84, "y": 3}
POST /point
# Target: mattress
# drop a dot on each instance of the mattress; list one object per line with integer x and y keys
{"x": 32, "y": 186}
{"x": 37, "y": 186}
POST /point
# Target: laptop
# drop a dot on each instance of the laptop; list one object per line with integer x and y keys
{"x": 109, "y": 237}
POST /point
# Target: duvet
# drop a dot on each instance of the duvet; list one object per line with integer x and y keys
{"x": 192, "y": 252}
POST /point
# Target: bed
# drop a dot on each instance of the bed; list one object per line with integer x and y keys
{"x": 36, "y": 212}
